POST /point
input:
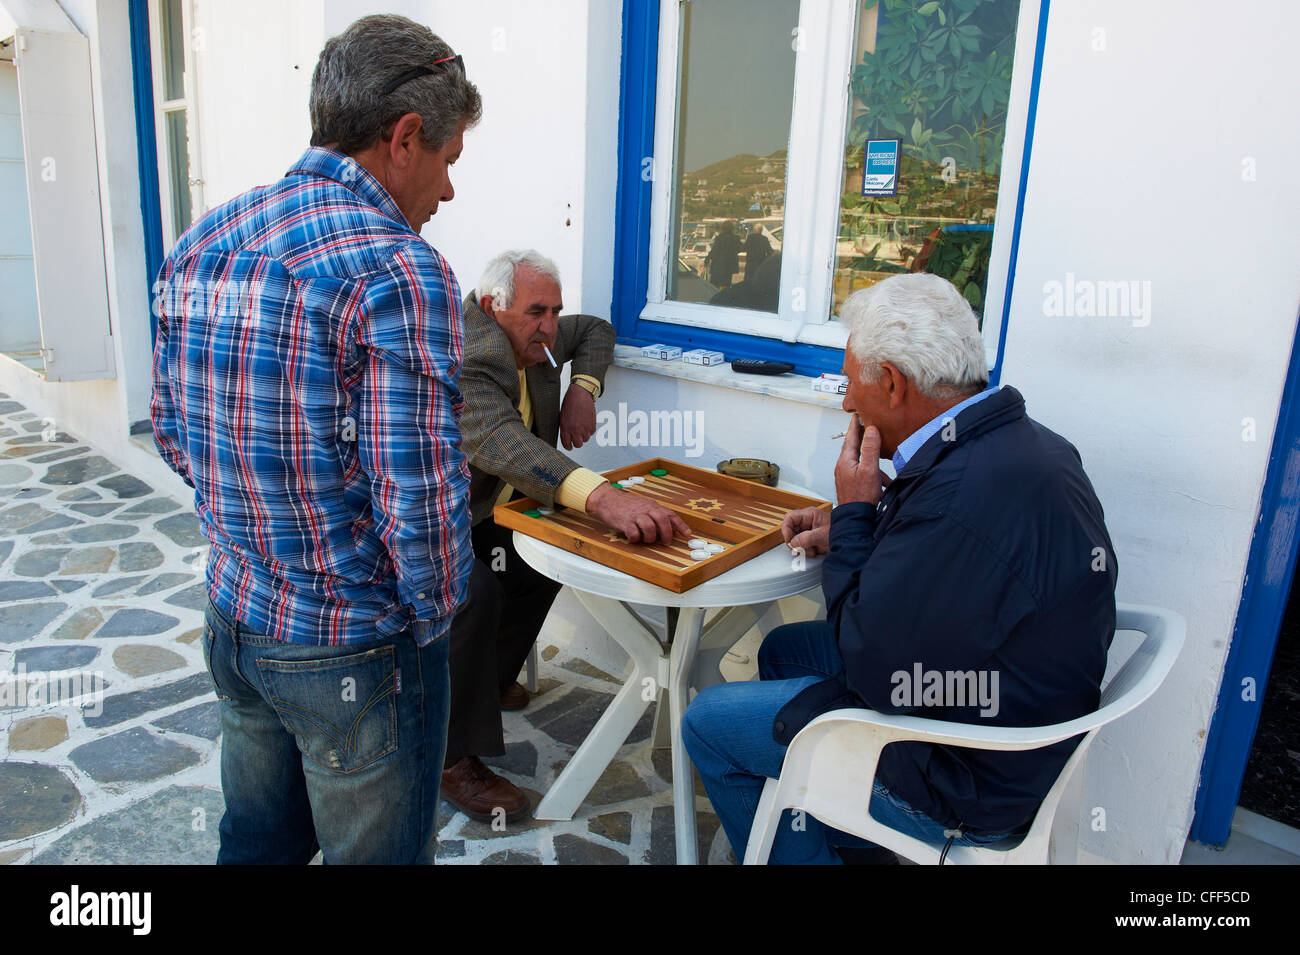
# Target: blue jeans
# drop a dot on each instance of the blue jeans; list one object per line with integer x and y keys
{"x": 728, "y": 732}
{"x": 336, "y": 748}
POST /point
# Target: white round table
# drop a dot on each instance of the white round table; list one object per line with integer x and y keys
{"x": 691, "y": 659}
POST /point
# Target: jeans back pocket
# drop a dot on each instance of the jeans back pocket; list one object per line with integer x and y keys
{"x": 341, "y": 710}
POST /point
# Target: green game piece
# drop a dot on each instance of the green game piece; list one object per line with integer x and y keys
{"x": 616, "y": 484}
{"x": 532, "y": 513}
{"x": 659, "y": 472}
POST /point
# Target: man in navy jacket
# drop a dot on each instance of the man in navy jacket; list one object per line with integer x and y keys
{"x": 977, "y": 586}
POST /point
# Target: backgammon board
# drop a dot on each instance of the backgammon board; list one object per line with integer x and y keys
{"x": 732, "y": 520}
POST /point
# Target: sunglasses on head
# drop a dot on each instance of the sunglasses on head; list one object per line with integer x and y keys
{"x": 419, "y": 71}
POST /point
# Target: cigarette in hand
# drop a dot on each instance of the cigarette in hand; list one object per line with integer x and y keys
{"x": 550, "y": 357}
{"x": 841, "y": 434}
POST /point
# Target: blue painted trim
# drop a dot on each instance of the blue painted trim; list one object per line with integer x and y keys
{"x": 636, "y": 123}
{"x": 1040, "y": 45}
{"x": 146, "y": 145}
{"x": 1269, "y": 571}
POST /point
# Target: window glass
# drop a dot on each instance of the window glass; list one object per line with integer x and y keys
{"x": 178, "y": 159}
{"x": 934, "y": 76}
{"x": 735, "y": 92}
{"x": 173, "y": 49}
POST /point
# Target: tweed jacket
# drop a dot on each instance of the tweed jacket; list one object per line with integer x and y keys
{"x": 500, "y": 449}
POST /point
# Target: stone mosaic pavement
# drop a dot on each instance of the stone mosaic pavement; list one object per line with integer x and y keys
{"x": 109, "y": 732}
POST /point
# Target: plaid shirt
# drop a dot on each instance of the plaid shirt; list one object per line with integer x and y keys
{"x": 306, "y": 386}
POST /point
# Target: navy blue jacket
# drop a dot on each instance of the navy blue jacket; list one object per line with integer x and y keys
{"x": 988, "y": 553}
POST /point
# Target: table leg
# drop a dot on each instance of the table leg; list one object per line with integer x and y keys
{"x": 720, "y": 636}
{"x": 611, "y": 730}
{"x": 663, "y": 737}
{"x": 681, "y": 666}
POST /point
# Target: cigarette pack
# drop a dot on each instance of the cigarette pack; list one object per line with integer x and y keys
{"x": 703, "y": 356}
{"x": 662, "y": 352}
{"x": 831, "y": 384}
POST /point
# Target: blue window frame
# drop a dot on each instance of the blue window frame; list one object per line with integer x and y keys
{"x": 632, "y": 245}
{"x": 146, "y": 148}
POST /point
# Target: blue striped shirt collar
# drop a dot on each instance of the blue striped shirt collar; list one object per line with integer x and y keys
{"x": 331, "y": 164}
{"x": 908, "y": 447}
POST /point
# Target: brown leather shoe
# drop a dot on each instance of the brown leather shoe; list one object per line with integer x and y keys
{"x": 477, "y": 791}
{"x": 514, "y": 697}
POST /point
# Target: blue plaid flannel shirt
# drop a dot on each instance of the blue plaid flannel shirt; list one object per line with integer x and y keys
{"x": 305, "y": 385}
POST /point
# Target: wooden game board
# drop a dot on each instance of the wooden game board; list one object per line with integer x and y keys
{"x": 742, "y": 516}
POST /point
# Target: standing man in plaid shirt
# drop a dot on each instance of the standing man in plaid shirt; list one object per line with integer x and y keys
{"x": 306, "y": 386}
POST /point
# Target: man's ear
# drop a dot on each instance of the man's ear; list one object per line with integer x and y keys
{"x": 898, "y": 383}
{"x": 485, "y": 304}
{"x": 405, "y": 140}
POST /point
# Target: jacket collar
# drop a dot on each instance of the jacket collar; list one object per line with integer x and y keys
{"x": 471, "y": 310}
{"x": 331, "y": 164}
{"x": 479, "y": 325}
{"x": 993, "y": 412}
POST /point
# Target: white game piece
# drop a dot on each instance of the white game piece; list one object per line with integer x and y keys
{"x": 715, "y": 548}
{"x": 635, "y": 480}
{"x": 700, "y": 554}
{"x": 696, "y": 543}
{"x": 545, "y": 511}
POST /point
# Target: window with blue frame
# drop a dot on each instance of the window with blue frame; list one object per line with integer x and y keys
{"x": 778, "y": 155}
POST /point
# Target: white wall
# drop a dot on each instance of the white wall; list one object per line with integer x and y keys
{"x": 539, "y": 170}
{"x": 253, "y": 64}
{"x": 1137, "y": 174}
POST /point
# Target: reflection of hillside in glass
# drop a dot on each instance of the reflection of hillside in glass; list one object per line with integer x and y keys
{"x": 937, "y": 77}
{"x": 728, "y": 192}
{"x": 735, "y": 92}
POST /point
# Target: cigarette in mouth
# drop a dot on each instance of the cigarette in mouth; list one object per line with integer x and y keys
{"x": 551, "y": 359}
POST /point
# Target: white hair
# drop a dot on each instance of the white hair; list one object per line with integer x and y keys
{"x": 922, "y": 325}
{"x": 499, "y": 275}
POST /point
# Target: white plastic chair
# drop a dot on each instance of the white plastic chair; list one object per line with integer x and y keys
{"x": 829, "y": 766}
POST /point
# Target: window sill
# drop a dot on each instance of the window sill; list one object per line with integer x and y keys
{"x": 832, "y": 334}
{"x": 790, "y": 387}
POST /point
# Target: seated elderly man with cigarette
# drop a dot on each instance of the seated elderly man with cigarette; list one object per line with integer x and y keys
{"x": 986, "y": 554}
{"x": 516, "y": 343}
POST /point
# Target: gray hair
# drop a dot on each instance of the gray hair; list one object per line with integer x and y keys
{"x": 921, "y": 324}
{"x": 349, "y": 110}
{"x": 499, "y": 275}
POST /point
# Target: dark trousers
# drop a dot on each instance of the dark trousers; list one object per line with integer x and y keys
{"x": 504, "y": 609}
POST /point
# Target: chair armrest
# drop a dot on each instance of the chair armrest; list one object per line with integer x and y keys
{"x": 893, "y": 728}
{"x": 839, "y": 751}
